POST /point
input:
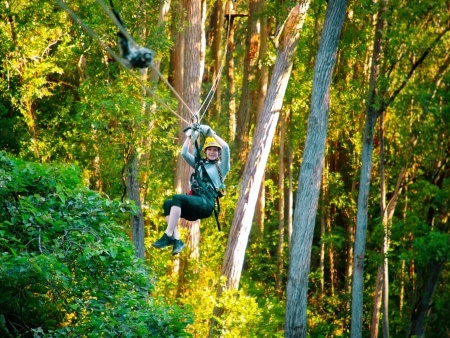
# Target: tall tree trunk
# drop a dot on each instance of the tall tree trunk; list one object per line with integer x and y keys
{"x": 351, "y": 239}
{"x": 323, "y": 229}
{"x": 248, "y": 95}
{"x": 193, "y": 66}
{"x": 365, "y": 178}
{"x": 255, "y": 166}
{"x": 403, "y": 268}
{"x": 217, "y": 48}
{"x": 260, "y": 211}
{"x": 230, "y": 77}
{"x": 311, "y": 172}
{"x": 386, "y": 231}
{"x": 263, "y": 67}
{"x": 423, "y": 304}
{"x": 187, "y": 80}
{"x": 164, "y": 6}
{"x": 281, "y": 218}
{"x": 262, "y": 92}
{"x": 133, "y": 186}
{"x": 137, "y": 221}
{"x": 377, "y": 104}
{"x": 290, "y": 207}
{"x": 333, "y": 279}
{"x": 377, "y": 299}
{"x": 382, "y": 281}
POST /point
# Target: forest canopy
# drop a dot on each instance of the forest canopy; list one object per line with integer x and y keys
{"x": 89, "y": 151}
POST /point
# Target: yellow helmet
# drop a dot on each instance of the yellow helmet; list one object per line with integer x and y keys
{"x": 211, "y": 142}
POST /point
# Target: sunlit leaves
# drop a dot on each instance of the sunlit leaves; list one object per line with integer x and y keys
{"x": 64, "y": 250}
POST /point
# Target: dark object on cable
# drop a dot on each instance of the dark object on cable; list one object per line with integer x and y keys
{"x": 133, "y": 55}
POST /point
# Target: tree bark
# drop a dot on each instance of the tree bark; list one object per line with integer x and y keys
{"x": 255, "y": 166}
{"x": 134, "y": 191}
{"x": 290, "y": 195}
{"x": 311, "y": 172}
{"x": 364, "y": 186}
{"x": 423, "y": 304}
{"x": 137, "y": 221}
{"x": 217, "y": 27}
{"x": 281, "y": 218}
{"x": 262, "y": 92}
{"x": 230, "y": 78}
{"x": 248, "y": 96}
{"x": 193, "y": 66}
{"x": 263, "y": 67}
{"x": 323, "y": 216}
{"x": 377, "y": 300}
{"x": 164, "y": 6}
{"x": 260, "y": 211}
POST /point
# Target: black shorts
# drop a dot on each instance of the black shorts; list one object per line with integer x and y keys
{"x": 192, "y": 207}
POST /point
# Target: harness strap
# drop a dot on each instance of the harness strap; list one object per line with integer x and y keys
{"x": 199, "y": 164}
{"x": 216, "y": 198}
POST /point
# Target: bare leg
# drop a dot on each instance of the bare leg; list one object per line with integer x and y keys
{"x": 172, "y": 222}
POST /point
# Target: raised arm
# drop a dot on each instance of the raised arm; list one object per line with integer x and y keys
{"x": 187, "y": 156}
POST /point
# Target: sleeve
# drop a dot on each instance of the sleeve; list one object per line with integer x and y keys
{"x": 187, "y": 156}
{"x": 225, "y": 163}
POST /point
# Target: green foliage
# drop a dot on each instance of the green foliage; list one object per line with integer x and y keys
{"x": 67, "y": 267}
{"x": 240, "y": 315}
{"x": 66, "y": 263}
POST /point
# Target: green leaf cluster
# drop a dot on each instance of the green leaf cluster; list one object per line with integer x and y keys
{"x": 67, "y": 266}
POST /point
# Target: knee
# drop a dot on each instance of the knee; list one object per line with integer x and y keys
{"x": 167, "y": 205}
{"x": 176, "y": 200}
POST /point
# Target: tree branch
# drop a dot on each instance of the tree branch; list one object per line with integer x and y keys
{"x": 386, "y": 103}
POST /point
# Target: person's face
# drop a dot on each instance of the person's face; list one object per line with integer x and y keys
{"x": 212, "y": 153}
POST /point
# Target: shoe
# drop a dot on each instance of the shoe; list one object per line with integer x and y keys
{"x": 164, "y": 241}
{"x": 178, "y": 245}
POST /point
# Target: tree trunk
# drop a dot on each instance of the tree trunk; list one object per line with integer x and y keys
{"x": 382, "y": 285}
{"x": 386, "y": 220}
{"x": 193, "y": 66}
{"x": 311, "y": 172}
{"x": 262, "y": 92}
{"x": 290, "y": 195}
{"x": 377, "y": 299}
{"x": 137, "y": 221}
{"x": 423, "y": 304}
{"x": 217, "y": 48}
{"x": 255, "y": 166}
{"x": 351, "y": 239}
{"x": 258, "y": 232}
{"x": 324, "y": 222}
{"x": 322, "y": 236}
{"x": 333, "y": 278}
{"x": 264, "y": 68}
{"x": 365, "y": 178}
{"x": 281, "y": 219}
{"x": 133, "y": 186}
{"x": 247, "y": 94}
{"x": 230, "y": 78}
{"x": 164, "y": 6}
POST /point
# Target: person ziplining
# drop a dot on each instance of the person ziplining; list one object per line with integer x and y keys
{"x": 205, "y": 184}
{"x": 208, "y": 178}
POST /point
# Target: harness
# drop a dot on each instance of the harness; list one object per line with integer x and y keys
{"x": 199, "y": 183}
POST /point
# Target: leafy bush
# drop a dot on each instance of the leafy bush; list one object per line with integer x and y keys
{"x": 67, "y": 267}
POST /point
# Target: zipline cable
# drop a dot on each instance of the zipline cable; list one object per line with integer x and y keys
{"x": 116, "y": 57}
{"x": 122, "y": 29}
{"x": 213, "y": 89}
{"x": 128, "y": 36}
